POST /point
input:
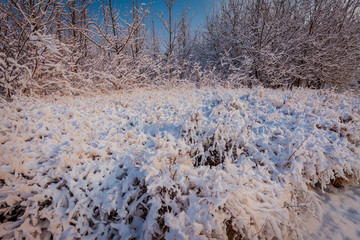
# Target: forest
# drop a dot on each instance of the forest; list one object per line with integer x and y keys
{"x": 68, "y": 47}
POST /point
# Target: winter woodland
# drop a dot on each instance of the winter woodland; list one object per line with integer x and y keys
{"x": 66, "y": 47}
{"x": 247, "y": 128}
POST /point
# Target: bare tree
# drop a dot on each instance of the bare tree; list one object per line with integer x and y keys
{"x": 26, "y": 45}
{"x": 171, "y": 25}
{"x": 140, "y": 32}
{"x": 184, "y": 39}
{"x": 155, "y": 43}
{"x": 75, "y": 30}
{"x": 116, "y": 32}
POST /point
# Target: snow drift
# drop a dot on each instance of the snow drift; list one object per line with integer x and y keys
{"x": 185, "y": 164}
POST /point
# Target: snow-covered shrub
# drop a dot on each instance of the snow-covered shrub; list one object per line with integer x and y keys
{"x": 192, "y": 164}
{"x": 286, "y": 43}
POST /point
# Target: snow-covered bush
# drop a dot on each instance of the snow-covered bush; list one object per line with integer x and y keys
{"x": 33, "y": 59}
{"x": 286, "y": 43}
{"x": 41, "y": 59}
{"x": 191, "y": 164}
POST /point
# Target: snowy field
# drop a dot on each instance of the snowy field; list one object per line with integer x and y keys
{"x": 184, "y": 164}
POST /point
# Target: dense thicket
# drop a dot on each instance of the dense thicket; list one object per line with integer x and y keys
{"x": 313, "y": 43}
{"x": 71, "y": 47}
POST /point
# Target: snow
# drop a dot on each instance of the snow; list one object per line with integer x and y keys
{"x": 180, "y": 164}
{"x": 340, "y": 217}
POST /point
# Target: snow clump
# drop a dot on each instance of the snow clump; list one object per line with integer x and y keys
{"x": 189, "y": 164}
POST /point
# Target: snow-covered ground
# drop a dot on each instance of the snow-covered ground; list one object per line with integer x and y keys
{"x": 184, "y": 164}
{"x": 340, "y": 216}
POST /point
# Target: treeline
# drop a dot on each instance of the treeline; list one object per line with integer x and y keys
{"x": 310, "y": 43}
{"x": 70, "y": 47}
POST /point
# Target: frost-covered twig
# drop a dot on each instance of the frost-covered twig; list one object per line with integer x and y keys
{"x": 302, "y": 143}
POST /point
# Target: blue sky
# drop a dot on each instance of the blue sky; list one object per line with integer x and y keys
{"x": 198, "y": 9}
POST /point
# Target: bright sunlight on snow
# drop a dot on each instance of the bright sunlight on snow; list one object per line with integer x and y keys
{"x": 181, "y": 164}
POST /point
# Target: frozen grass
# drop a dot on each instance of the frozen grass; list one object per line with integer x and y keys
{"x": 184, "y": 164}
